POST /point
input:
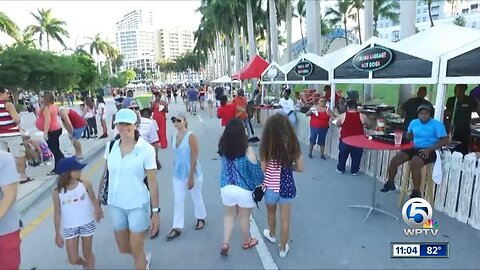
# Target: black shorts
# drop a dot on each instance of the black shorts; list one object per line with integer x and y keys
{"x": 414, "y": 152}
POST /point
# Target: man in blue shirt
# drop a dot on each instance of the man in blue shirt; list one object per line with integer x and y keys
{"x": 192, "y": 99}
{"x": 428, "y": 135}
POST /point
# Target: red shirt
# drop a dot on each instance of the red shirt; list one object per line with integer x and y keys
{"x": 76, "y": 119}
{"x": 320, "y": 121}
{"x": 227, "y": 113}
{"x": 241, "y": 102}
{"x": 352, "y": 125}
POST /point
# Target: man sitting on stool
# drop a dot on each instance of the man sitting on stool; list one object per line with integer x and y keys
{"x": 428, "y": 135}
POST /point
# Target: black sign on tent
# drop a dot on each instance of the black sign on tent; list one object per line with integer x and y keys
{"x": 307, "y": 70}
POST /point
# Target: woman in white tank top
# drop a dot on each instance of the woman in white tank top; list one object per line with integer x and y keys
{"x": 75, "y": 211}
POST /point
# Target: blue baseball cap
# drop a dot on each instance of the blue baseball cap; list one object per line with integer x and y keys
{"x": 69, "y": 164}
{"x": 125, "y": 116}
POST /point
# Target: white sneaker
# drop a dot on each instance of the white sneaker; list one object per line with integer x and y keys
{"x": 148, "y": 257}
{"x": 266, "y": 233}
{"x": 283, "y": 253}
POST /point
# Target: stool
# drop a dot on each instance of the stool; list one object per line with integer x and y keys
{"x": 426, "y": 185}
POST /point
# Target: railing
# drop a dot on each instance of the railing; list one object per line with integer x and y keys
{"x": 458, "y": 196}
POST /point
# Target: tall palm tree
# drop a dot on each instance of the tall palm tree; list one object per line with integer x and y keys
{"x": 301, "y": 13}
{"x": 26, "y": 39}
{"x": 273, "y": 28}
{"x": 388, "y": 9}
{"x": 49, "y": 27}
{"x": 340, "y": 14}
{"x": 99, "y": 46}
{"x": 8, "y": 26}
{"x": 357, "y": 5}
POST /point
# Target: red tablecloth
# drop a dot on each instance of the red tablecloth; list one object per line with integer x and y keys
{"x": 362, "y": 141}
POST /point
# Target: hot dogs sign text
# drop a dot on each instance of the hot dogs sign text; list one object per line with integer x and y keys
{"x": 372, "y": 59}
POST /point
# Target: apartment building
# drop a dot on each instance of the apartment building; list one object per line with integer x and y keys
{"x": 135, "y": 39}
{"x": 442, "y": 12}
{"x": 173, "y": 42}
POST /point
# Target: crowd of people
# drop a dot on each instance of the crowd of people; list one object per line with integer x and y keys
{"x": 129, "y": 186}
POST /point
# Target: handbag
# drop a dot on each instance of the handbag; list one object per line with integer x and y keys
{"x": 257, "y": 192}
{"x": 103, "y": 193}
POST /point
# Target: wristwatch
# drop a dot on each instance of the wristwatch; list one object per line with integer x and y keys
{"x": 156, "y": 210}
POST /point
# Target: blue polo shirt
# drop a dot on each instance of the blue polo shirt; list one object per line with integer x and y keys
{"x": 126, "y": 189}
{"x": 426, "y": 135}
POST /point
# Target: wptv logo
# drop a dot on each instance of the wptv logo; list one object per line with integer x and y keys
{"x": 417, "y": 213}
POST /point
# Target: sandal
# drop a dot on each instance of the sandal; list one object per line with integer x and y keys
{"x": 251, "y": 243}
{"x": 200, "y": 224}
{"x": 26, "y": 180}
{"x": 224, "y": 250}
{"x": 174, "y": 233}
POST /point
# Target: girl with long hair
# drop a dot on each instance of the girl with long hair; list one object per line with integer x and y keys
{"x": 241, "y": 173}
{"x": 90, "y": 111}
{"x": 75, "y": 211}
{"x": 103, "y": 116}
{"x": 280, "y": 156}
{"x": 52, "y": 130}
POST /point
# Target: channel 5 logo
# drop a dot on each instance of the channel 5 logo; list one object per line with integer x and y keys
{"x": 417, "y": 213}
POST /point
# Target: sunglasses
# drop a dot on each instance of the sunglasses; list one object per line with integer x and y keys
{"x": 135, "y": 108}
{"x": 124, "y": 124}
{"x": 178, "y": 120}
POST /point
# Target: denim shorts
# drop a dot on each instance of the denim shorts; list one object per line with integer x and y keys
{"x": 136, "y": 220}
{"x": 78, "y": 132}
{"x": 272, "y": 197}
{"x": 318, "y": 135}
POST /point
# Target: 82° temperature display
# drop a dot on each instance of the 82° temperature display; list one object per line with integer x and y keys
{"x": 420, "y": 250}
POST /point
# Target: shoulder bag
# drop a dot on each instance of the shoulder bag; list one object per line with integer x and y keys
{"x": 103, "y": 193}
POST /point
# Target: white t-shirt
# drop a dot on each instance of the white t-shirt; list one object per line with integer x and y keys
{"x": 101, "y": 108}
{"x": 148, "y": 130}
{"x": 287, "y": 105}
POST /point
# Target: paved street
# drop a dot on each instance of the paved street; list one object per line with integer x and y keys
{"x": 324, "y": 232}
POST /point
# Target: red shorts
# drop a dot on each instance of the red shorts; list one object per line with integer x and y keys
{"x": 10, "y": 251}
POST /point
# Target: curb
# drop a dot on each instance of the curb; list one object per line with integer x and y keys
{"x": 28, "y": 201}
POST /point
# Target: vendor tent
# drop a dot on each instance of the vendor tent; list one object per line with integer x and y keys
{"x": 461, "y": 65}
{"x": 223, "y": 79}
{"x": 273, "y": 74}
{"x": 252, "y": 70}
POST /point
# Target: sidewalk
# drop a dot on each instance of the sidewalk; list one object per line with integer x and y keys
{"x": 30, "y": 192}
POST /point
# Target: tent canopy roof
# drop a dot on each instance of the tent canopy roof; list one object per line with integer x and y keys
{"x": 439, "y": 39}
{"x": 253, "y": 69}
{"x": 223, "y": 79}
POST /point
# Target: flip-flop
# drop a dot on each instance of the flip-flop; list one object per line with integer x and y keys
{"x": 253, "y": 242}
{"x": 198, "y": 226}
{"x": 26, "y": 180}
{"x": 224, "y": 250}
{"x": 174, "y": 233}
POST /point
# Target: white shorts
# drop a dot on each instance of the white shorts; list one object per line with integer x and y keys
{"x": 13, "y": 144}
{"x": 234, "y": 195}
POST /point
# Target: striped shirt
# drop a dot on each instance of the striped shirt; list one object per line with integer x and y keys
{"x": 8, "y": 127}
{"x": 272, "y": 176}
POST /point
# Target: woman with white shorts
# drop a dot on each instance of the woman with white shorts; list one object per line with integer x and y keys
{"x": 241, "y": 173}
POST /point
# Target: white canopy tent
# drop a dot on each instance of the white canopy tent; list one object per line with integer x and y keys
{"x": 416, "y": 59}
{"x": 461, "y": 65}
{"x": 273, "y": 74}
{"x": 223, "y": 79}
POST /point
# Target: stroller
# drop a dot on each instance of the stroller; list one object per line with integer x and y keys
{"x": 250, "y": 110}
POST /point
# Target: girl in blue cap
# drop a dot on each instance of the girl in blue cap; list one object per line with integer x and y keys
{"x": 75, "y": 210}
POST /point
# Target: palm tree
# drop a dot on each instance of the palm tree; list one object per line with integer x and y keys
{"x": 8, "y": 26}
{"x": 49, "y": 26}
{"x": 99, "y": 46}
{"x": 340, "y": 14}
{"x": 358, "y": 5}
{"x": 429, "y": 6}
{"x": 273, "y": 28}
{"x": 386, "y": 9}
{"x": 459, "y": 20}
{"x": 301, "y": 13}
{"x": 27, "y": 39}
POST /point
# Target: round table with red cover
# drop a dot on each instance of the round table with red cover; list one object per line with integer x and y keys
{"x": 362, "y": 141}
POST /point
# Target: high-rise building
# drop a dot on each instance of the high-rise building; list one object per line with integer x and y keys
{"x": 173, "y": 42}
{"x": 442, "y": 11}
{"x": 135, "y": 39}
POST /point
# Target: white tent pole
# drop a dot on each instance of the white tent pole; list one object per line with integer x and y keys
{"x": 439, "y": 101}
{"x": 332, "y": 96}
